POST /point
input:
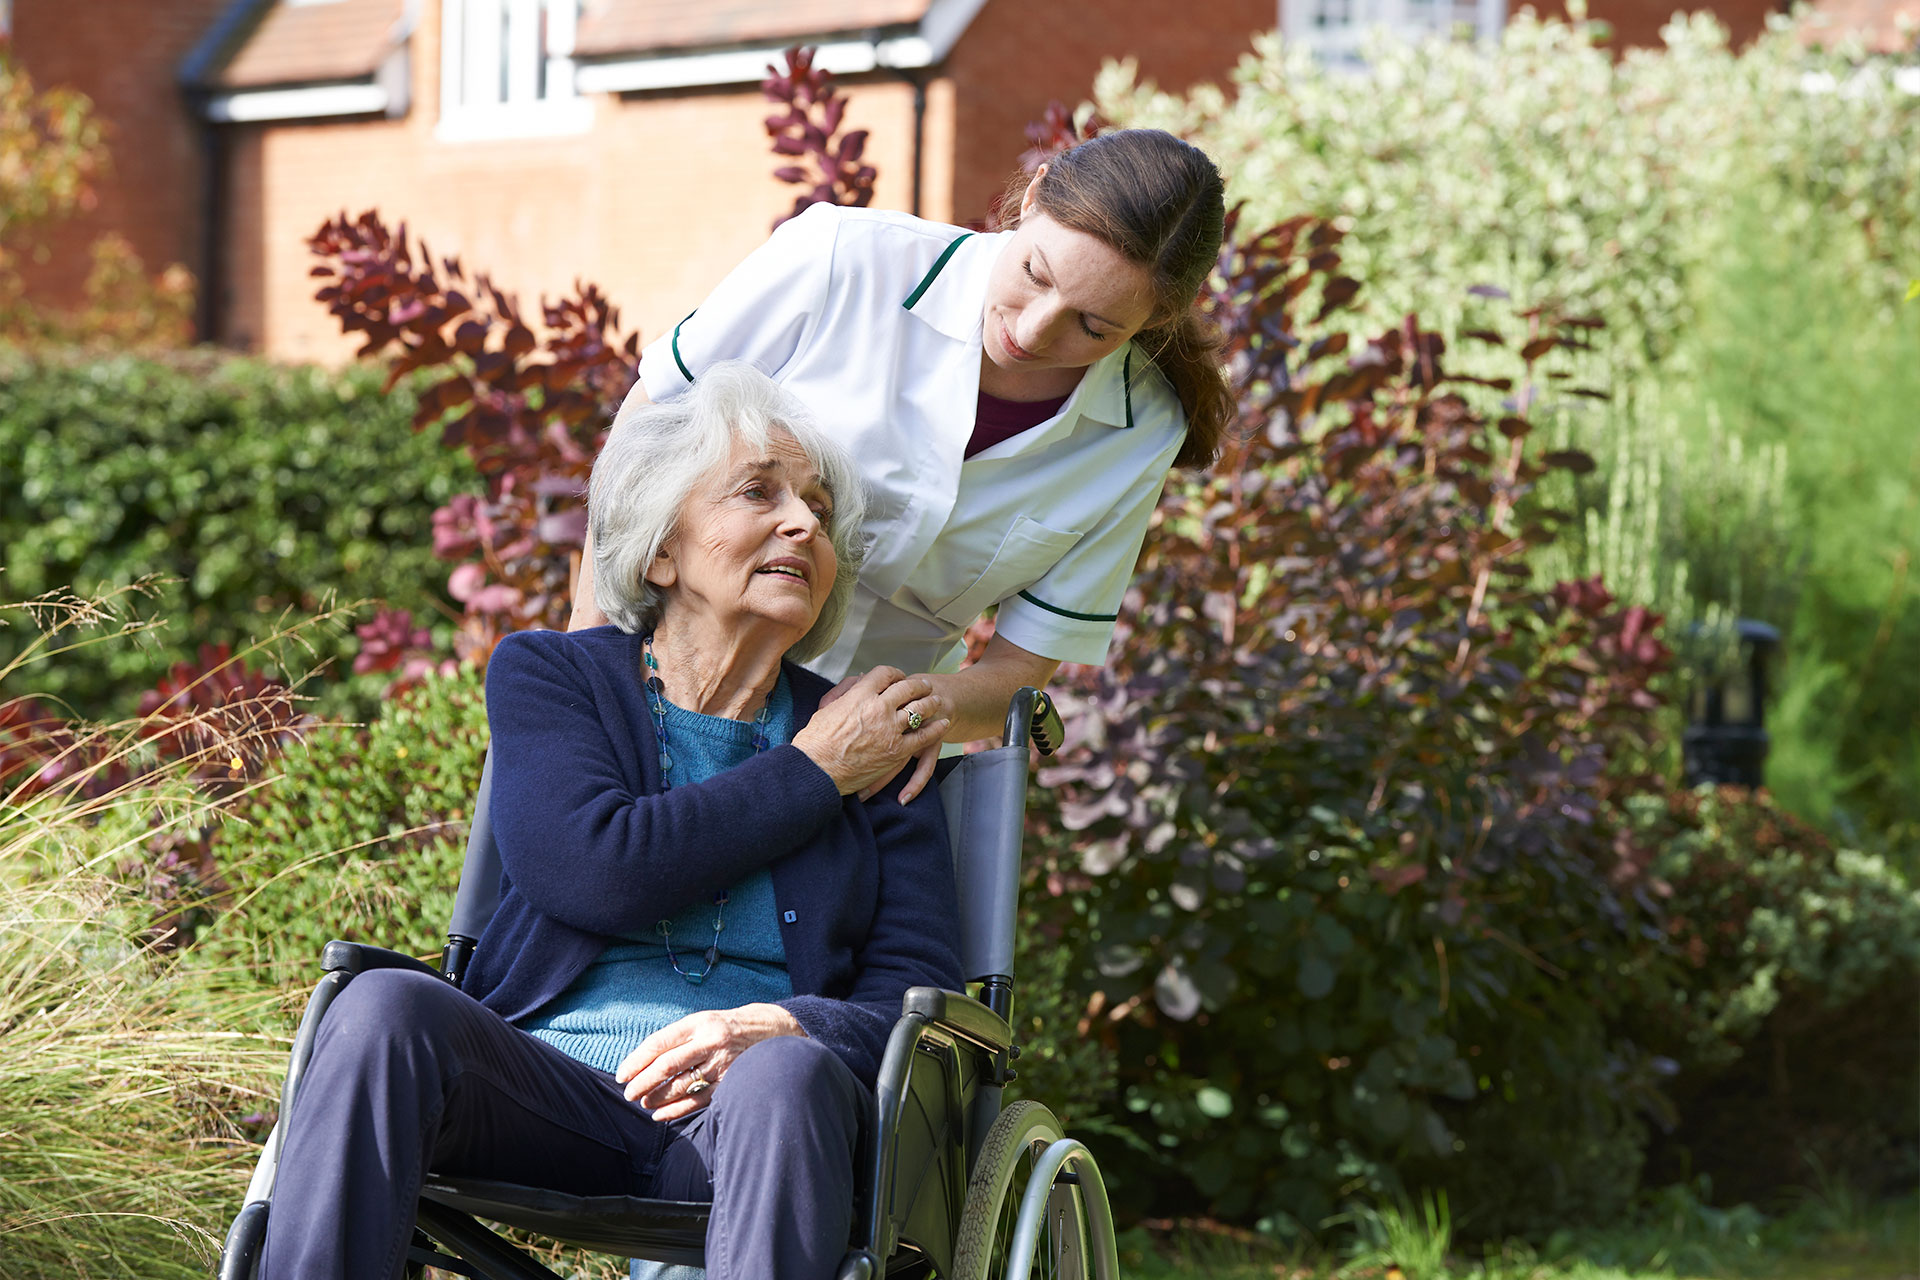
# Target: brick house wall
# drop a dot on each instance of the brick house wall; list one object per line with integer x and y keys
{"x": 1636, "y": 23}
{"x": 668, "y": 190}
{"x": 1885, "y": 26}
{"x": 123, "y": 54}
{"x": 654, "y": 204}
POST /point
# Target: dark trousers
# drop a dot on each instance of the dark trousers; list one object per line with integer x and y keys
{"x": 409, "y": 1074}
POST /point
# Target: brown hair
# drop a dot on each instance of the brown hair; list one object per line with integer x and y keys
{"x": 1159, "y": 201}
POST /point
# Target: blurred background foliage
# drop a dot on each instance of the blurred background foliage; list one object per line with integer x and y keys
{"x": 1367, "y": 855}
{"x": 1745, "y": 223}
{"x": 249, "y": 488}
{"x": 1365, "y": 907}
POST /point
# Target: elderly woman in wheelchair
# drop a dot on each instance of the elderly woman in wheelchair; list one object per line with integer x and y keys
{"x": 704, "y": 934}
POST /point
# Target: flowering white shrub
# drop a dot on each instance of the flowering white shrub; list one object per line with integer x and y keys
{"x": 1549, "y": 167}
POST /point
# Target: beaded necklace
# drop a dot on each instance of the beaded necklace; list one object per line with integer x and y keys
{"x": 657, "y": 701}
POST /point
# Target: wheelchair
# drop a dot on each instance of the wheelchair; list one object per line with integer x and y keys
{"x": 956, "y": 1183}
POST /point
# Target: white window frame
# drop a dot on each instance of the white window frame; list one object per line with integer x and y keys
{"x": 495, "y": 81}
{"x": 1339, "y": 43}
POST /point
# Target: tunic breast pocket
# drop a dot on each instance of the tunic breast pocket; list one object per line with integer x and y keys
{"x": 1025, "y": 554}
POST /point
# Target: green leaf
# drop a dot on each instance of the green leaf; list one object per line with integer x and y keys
{"x": 1214, "y": 1102}
{"x": 1316, "y": 974}
{"x": 1913, "y": 290}
{"x": 1332, "y": 936}
{"x": 1438, "y": 1136}
{"x": 1387, "y": 1110}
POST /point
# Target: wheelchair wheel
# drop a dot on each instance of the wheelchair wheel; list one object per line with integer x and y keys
{"x": 1013, "y": 1153}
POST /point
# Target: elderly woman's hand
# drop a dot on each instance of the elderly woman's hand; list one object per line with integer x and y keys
{"x": 860, "y": 736}
{"x": 673, "y": 1072}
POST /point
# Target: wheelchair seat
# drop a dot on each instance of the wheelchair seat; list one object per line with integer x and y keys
{"x": 663, "y": 1230}
{"x": 945, "y": 1166}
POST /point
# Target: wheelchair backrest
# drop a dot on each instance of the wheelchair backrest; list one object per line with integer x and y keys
{"x": 985, "y": 799}
{"x": 986, "y": 802}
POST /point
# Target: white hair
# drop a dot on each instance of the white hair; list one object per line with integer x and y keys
{"x": 657, "y": 455}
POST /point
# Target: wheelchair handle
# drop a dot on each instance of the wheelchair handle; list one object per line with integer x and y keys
{"x": 1031, "y": 718}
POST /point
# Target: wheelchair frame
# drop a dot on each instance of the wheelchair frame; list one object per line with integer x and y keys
{"x": 955, "y": 1184}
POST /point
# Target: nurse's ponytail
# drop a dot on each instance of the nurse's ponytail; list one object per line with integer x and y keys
{"x": 1159, "y": 201}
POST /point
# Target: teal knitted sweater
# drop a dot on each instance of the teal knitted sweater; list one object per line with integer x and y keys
{"x": 632, "y": 989}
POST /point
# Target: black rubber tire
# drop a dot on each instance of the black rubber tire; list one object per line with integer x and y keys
{"x": 1023, "y": 1131}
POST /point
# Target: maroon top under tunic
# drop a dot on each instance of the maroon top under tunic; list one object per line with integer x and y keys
{"x": 996, "y": 419}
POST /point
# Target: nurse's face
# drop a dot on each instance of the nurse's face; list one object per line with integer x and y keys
{"x": 1060, "y": 298}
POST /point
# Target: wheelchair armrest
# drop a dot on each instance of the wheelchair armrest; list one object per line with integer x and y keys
{"x": 357, "y": 957}
{"x": 961, "y": 1015}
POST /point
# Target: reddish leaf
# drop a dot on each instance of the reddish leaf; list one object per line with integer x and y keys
{"x": 519, "y": 341}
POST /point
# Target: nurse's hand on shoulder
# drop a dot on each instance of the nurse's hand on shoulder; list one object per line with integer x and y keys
{"x": 861, "y": 737}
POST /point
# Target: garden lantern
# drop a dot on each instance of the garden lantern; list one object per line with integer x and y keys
{"x": 1726, "y": 738}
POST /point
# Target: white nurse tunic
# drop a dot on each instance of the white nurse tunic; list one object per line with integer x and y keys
{"x": 873, "y": 319}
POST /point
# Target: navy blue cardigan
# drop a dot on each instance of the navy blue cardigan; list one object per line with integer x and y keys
{"x": 591, "y": 847}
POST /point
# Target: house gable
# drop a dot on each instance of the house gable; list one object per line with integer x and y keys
{"x": 302, "y": 59}
{"x": 314, "y": 43}
{"x": 634, "y": 46}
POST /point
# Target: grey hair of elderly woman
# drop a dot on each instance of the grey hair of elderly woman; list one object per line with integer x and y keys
{"x": 658, "y": 455}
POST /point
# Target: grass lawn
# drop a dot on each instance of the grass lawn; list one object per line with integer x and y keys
{"x": 1834, "y": 1236}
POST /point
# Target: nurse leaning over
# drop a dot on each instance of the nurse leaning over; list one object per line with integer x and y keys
{"x": 1014, "y": 401}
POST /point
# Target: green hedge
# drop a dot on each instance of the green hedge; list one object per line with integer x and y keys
{"x": 260, "y": 488}
{"x": 1765, "y": 1045}
{"x": 1792, "y": 1015}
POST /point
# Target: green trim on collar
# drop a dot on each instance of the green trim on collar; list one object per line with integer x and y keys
{"x": 684, "y": 371}
{"x": 1126, "y": 386}
{"x": 1031, "y": 598}
{"x": 939, "y": 265}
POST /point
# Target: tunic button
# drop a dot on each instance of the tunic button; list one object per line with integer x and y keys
{"x": 791, "y": 917}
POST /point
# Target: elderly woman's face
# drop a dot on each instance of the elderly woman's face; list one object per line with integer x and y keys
{"x": 754, "y": 544}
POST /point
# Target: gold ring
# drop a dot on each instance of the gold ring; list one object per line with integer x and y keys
{"x": 699, "y": 1084}
{"x": 914, "y": 720}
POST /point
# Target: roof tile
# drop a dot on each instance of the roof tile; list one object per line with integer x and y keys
{"x": 313, "y": 42}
